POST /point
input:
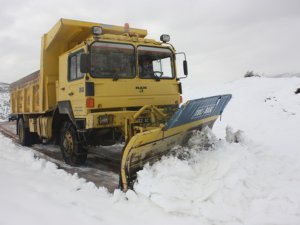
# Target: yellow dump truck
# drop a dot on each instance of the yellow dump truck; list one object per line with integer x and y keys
{"x": 99, "y": 84}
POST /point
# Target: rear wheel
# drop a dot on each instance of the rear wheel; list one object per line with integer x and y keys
{"x": 24, "y": 134}
{"x": 73, "y": 152}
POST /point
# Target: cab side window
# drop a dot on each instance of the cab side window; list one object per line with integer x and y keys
{"x": 74, "y": 66}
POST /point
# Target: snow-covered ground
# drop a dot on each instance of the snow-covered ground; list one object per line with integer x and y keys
{"x": 246, "y": 172}
{"x": 4, "y": 101}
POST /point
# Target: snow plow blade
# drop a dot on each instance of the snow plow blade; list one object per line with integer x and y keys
{"x": 150, "y": 146}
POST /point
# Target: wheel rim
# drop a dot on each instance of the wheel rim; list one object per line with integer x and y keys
{"x": 68, "y": 143}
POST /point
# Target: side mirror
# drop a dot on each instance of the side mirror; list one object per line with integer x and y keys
{"x": 85, "y": 63}
{"x": 185, "y": 68}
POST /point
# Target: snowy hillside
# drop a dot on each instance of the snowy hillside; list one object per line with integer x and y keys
{"x": 245, "y": 171}
{"x": 4, "y": 101}
{"x": 284, "y": 75}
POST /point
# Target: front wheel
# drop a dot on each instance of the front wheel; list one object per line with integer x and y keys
{"x": 73, "y": 152}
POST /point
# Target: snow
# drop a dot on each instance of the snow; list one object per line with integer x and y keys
{"x": 4, "y": 101}
{"x": 245, "y": 171}
{"x": 233, "y": 183}
{"x": 283, "y": 75}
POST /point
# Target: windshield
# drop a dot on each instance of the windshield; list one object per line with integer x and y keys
{"x": 155, "y": 63}
{"x": 112, "y": 60}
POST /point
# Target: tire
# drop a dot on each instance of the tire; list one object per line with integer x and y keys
{"x": 25, "y": 136}
{"x": 73, "y": 152}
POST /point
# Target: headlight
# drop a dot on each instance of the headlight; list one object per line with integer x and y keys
{"x": 105, "y": 119}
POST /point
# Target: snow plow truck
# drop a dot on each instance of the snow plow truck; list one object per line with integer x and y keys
{"x": 99, "y": 84}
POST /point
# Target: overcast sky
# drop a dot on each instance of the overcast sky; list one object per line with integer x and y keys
{"x": 222, "y": 39}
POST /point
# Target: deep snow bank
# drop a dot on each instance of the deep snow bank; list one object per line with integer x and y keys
{"x": 231, "y": 183}
{"x": 255, "y": 181}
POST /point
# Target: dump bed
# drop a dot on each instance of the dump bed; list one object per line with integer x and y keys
{"x": 24, "y": 94}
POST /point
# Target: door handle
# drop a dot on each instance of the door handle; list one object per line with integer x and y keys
{"x": 71, "y": 93}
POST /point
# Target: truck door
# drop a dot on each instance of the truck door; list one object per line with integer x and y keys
{"x": 72, "y": 82}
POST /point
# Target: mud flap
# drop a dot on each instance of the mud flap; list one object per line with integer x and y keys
{"x": 150, "y": 146}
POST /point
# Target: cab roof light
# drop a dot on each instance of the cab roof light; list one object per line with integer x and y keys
{"x": 165, "y": 38}
{"x": 126, "y": 27}
{"x": 96, "y": 30}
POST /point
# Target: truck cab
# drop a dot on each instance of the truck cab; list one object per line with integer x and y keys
{"x": 108, "y": 77}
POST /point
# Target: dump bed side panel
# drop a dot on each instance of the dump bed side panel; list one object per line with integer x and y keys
{"x": 24, "y": 94}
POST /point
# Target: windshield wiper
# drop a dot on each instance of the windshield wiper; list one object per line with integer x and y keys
{"x": 157, "y": 77}
{"x": 116, "y": 76}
